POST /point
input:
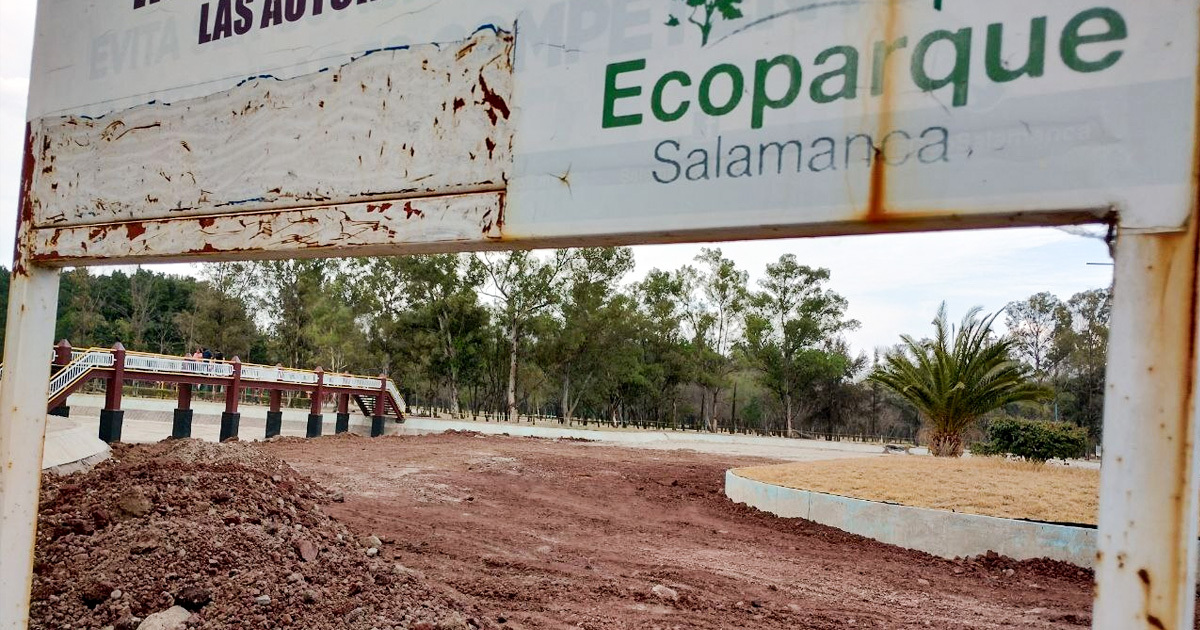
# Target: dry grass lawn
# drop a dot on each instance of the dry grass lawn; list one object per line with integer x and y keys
{"x": 981, "y": 485}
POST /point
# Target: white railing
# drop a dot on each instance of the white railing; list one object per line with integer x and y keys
{"x": 346, "y": 380}
{"x": 391, "y": 387}
{"x": 268, "y": 374}
{"x": 177, "y": 365}
{"x": 81, "y": 364}
{"x": 363, "y": 383}
{"x": 297, "y": 376}
{"x": 262, "y": 373}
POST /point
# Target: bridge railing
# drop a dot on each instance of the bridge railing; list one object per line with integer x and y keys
{"x": 155, "y": 363}
{"x": 391, "y": 387}
{"x": 162, "y": 364}
{"x": 82, "y": 362}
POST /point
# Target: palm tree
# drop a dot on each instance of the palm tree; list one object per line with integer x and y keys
{"x": 955, "y": 382}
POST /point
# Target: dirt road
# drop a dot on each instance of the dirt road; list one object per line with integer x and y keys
{"x": 555, "y": 534}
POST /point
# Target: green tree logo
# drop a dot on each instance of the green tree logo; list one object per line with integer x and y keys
{"x": 702, "y": 12}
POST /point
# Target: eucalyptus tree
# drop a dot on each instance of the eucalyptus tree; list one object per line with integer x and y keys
{"x": 666, "y": 353}
{"x": 283, "y": 294}
{"x": 422, "y": 313}
{"x": 237, "y": 280}
{"x": 444, "y": 287}
{"x": 592, "y": 333}
{"x": 337, "y": 335}
{"x": 80, "y": 310}
{"x": 958, "y": 376}
{"x": 1033, "y": 324}
{"x": 1081, "y": 352}
{"x": 792, "y": 332}
{"x": 524, "y": 286}
{"x": 218, "y": 321}
{"x": 714, "y": 302}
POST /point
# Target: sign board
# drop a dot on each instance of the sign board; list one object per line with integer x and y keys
{"x": 165, "y": 130}
{"x": 190, "y": 129}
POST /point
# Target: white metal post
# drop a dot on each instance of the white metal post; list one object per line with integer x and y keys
{"x": 1146, "y": 561}
{"x": 32, "y": 304}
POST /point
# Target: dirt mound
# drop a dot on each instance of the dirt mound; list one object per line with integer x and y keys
{"x": 991, "y": 563}
{"x": 226, "y": 532}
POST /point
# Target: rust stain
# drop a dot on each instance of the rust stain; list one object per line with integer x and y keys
{"x": 206, "y": 249}
{"x": 409, "y": 211}
{"x": 494, "y": 101}
{"x": 499, "y": 226}
{"x": 465, "y": 50}
{"x": 25, "y": 203}
{"x": 134, "y": 229}
{"x": 207, "y": 222}
{"x": 1177, "y": 254}
{"x": 132, "y": 129}
{"x": 459, "y": 103}
{"x": 265, "y": 229}
{"x": 111, "y": 129}
{"x": 877, "y": 200}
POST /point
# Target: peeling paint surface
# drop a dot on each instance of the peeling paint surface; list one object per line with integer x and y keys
{"x": 391, "y": 124}
{"x": 455, "y": 221}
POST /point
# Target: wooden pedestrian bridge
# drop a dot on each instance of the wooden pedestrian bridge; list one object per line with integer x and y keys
{"x": 376, "y": 397}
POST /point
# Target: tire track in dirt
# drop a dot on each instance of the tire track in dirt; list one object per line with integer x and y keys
{"x": 563, "y": 535}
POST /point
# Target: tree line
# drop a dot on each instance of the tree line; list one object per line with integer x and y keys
{"x": 564, "y": 334}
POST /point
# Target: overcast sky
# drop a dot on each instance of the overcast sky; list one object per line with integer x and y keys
{"x": 894, "y": 283}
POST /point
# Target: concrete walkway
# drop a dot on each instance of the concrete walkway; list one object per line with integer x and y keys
{"x": 722, "y": 443}
{"x": 149, "y": 420}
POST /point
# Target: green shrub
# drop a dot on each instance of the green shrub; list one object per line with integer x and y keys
{"x": 1033, "y": 440}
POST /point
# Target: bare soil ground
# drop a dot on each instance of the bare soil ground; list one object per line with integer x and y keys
{"x": 990, "y": 486}
{"x": 556, "y": 534}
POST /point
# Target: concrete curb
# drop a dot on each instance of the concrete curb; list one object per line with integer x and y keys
{"x": 81, "y": 465}
{"x": 937, "y": 532}
{"x": 71, "y": 446}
